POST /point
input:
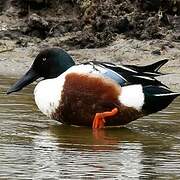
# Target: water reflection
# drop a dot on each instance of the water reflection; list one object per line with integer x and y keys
{"x": 78, "y": 152}
{"x": 34, "y": 147}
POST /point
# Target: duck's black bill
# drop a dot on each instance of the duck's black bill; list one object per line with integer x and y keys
{"x": 28, "y": 78}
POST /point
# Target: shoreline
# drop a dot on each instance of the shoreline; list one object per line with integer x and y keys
{"x": 14, "y": 61}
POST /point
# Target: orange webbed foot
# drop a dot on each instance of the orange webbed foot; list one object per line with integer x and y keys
{"x": 99, "y": 119}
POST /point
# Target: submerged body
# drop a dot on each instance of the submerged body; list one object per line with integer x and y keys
{"x": 94, "y": 93}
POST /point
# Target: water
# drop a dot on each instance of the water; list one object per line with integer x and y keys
{"x": 34, "y": 147}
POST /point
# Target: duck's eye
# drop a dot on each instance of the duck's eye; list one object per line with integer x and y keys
{"x": 44, "y": 59}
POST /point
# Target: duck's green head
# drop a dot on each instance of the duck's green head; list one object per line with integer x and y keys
{"x": 49, "y": 63}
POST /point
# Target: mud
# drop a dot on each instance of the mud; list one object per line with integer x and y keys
{"x": 89, "y": 23}
{"x": 130, "y": 32}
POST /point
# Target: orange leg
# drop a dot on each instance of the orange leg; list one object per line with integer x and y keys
{"x": 99, "y": 118}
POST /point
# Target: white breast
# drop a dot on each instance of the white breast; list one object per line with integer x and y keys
{"x": 48, "y": 95}
{"x": 132, "y": 96}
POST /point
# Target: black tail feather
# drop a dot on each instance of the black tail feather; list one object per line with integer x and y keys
{"x": 148, "y": 69}
{"x": 153, "y": 67}
{"x": 157, "y": 98}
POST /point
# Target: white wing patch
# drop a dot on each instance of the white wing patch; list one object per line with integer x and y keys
{"x": 128, "y": 69}
{"x": 166, "y": 94}
{"x": 145, "y": 77}
{"x": 132, "y": 96}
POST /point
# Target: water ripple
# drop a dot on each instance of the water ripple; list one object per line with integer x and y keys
{"x": 35, "y": 147}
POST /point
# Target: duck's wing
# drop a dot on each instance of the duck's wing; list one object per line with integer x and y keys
{"x": 130, "y": 74}
{"x": 151, "y": 70}
{"x": 99, "y": 68}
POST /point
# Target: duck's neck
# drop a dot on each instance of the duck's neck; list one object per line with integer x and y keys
{"x": 59, "y": 69}
{"x": 61, "y": 63}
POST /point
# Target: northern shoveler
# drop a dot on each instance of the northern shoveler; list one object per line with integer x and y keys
{"x": 95, "y": 93}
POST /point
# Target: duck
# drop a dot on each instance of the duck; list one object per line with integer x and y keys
{"x": 94, "y": 94}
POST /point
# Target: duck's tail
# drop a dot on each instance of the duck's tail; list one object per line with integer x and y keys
{"x": 150, "y": 69}
{"x": 155, "y": 66}
{"x": 157, "y": 98}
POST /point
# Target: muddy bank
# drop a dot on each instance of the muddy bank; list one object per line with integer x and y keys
{"x": 88, "y": 23}
{"x": 14, "y": 61}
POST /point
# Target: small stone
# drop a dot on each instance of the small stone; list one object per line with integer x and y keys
{"x": 37, "y": 21}
{"x": 156, "y": 52}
